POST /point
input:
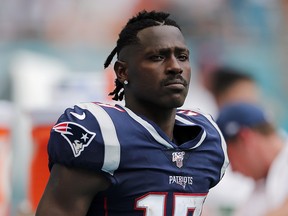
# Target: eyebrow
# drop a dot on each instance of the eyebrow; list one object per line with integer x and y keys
{"x": 168, "y": 50}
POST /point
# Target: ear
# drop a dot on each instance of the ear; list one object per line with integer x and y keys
{"x": 120, "y": 68}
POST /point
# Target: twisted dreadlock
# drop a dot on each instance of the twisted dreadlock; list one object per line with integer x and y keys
{"x": 128, "y": 36}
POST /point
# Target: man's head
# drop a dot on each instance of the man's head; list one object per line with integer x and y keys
{"x": 154, "y": 60}
{"x": 230, "y": 84}
{"x": 250, "y": 137}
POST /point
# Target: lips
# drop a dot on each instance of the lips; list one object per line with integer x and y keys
{"x": 175, "y": 82}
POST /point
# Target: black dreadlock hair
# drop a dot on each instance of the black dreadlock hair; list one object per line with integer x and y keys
{"x": 128, "y": 36}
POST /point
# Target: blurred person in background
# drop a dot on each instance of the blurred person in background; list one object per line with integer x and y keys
{"x": 226, "y": 84}
{"x": 231, "y": 84}
{"x": 146, "y": 157}
{"x": 257, "y": 150}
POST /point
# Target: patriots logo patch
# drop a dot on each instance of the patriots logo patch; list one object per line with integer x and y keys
{"x": 77, "y": 136}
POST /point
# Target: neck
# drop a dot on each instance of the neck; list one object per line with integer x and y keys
{"x": 164, "y": 118}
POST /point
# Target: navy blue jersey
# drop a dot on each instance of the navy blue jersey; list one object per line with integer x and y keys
{"x": 150, "y": 174}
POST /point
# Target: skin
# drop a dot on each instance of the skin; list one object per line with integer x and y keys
{"x": 252, "y": 154}
{"x": 243, "y": 90}
{"x": 158, "y": 71}
{"x": 242, "y": 153}
{"x": 158, "y": 60}
{"x": 249, "y": 143}
{"x": 70, "y": 191}
{"x": 281, "y": 211}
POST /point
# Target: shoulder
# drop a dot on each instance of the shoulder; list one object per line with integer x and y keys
{"x": 196, "y": 116}
{"x": 80, "y": 134}
{"x": 201, "y": 119}
{"x": 213, "y": 139}
{"x": 84, "y": 113}
{"x": 94, "y": 108}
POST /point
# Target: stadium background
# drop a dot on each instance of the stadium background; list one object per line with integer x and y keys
{"x": 52, "y": 55}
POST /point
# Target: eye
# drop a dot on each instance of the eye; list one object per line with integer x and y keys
{"x": 183, "y": 57}
{"x": 156, "y": 58}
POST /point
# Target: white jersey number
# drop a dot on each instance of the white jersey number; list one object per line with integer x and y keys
{"x": 153, "y": 204}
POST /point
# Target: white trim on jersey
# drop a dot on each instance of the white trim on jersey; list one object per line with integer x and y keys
{"x": 223, "y": 144}
{"x": 111, "y": 142}
{"x": 149, "y": 128}
{"x": 187, "y": 122}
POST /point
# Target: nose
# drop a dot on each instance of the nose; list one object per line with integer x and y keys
{"x": 173, "y": 66}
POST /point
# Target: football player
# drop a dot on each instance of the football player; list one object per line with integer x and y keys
{"x": 144, "y": 158}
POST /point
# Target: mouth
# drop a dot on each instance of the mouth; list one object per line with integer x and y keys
{"x": 177, "y": 83}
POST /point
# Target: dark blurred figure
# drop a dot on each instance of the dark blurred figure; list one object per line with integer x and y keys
{"x": 257, "y": 150}
{"x": 230, "y": 84}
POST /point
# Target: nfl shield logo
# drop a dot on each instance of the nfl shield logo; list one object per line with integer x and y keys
{"x": 178, "y": 158}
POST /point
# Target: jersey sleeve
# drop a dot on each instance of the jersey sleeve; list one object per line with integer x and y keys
{"x": 220, "y": 144}
{"x": 76, "y": 140}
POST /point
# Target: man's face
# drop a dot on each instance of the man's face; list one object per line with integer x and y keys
{"x": 158, "y": 69}
{"x": 238, "y": 158}
{"x": 245, "y": 158}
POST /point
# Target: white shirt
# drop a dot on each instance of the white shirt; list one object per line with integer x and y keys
{"x": 270, "y": 193}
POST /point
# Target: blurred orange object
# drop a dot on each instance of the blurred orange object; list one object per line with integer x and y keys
{"x": 5, "y": 169}
{"x": 39, "y": 172}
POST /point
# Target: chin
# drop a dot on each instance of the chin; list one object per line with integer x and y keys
{"x": 172, "y": 101}
{"x": 177, "y": 103}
